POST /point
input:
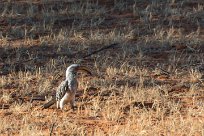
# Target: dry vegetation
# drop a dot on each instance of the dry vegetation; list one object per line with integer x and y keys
{"x": 150, "y": 84}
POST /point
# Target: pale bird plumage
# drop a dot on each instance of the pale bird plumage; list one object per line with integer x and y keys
{"x": 67, "y": 89}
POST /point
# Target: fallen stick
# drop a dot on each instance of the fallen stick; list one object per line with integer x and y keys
{"x": 37, "y": 98}
{"x": 48, "y": 104}
{"x": 101, "y": 49}
{"x": 52, "y": 128}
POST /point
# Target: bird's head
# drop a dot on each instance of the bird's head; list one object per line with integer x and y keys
{"x": 74, "y": 68}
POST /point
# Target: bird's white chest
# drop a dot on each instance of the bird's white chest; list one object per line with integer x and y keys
{"x": 68, "y": 97}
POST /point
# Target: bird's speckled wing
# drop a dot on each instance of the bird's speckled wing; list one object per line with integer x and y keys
{"x": 62, "y": 89}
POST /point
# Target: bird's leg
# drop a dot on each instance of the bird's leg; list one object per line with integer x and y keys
{"x": 62, "y": 102}
{"x": 72, "y": 103}
{"x": 58, "y": 105}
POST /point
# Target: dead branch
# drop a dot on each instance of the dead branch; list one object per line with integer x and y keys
{"x": 48, "y": 104}
{"x": 101, "y": 49}
{"x": 52, "y": 128}
{"x": 37, "y": 98}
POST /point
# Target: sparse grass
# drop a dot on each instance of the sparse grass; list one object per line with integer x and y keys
{"x": 152, "y": 84}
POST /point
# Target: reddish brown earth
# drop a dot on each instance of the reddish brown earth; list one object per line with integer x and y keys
{"x": 151, "y": 83}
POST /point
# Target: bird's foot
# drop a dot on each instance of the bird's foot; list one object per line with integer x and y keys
{"x": 74, "y": 108}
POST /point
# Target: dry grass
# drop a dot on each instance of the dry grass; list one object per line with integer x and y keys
{"x": 151, "y": 84}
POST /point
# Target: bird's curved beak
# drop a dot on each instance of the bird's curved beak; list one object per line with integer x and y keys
{"x": 84, "y": 68}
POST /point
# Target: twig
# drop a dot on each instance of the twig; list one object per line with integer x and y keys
{"x": 164, "y": 71}
{"x": 37, "y": 98}
{"x": 48, "y": 104}
{"x": 52, "y": 128}
{"x": 101, "y": 49}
